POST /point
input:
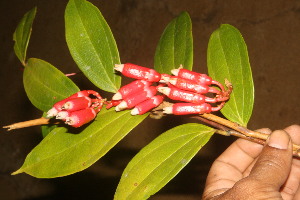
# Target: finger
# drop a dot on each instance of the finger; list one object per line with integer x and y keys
{"x": 297, "y": 196}
{"x": 229, "y": 167}
{"x": 294, "y": 132}
{"x": 291, "y": 187}
{"x": 242, "y": 153}
{"x": 274, "y": 163}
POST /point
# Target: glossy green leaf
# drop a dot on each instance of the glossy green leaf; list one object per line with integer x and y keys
{"x": 157, "y": 163}
{"x": 92, "y": 44}
{"x": 62, "y": 152}
{"x": 45, "y": 85}
{"x": 227, "y": 58}
{"x": 46, "y": 129}
{"x": 22, "y": 35}
{"x": 175, "y": 47}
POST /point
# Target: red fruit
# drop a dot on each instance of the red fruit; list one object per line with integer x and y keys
{"x": 62, "y": 115}
{"x": 182, "y": 95}
{"x": 81, "y": 117}
{"x": 194, "y": 76}
{"x": 78, "y": 103}
{"x": 192, "y": 86}
{"x": 188, "y": 108}
{"x": 188, "y": 85}
{"x": 138, "y": 72}
{"x": 57, "y": 107}
{"x": 147, "y": 105}
{"x": 136, "y": 98}
{"x": 131, "y": 88}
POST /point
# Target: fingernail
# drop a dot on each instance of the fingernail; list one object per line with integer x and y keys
{"x": 279, "y": 139}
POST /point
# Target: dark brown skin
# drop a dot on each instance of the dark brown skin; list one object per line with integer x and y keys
{"x": 250, "y": 171}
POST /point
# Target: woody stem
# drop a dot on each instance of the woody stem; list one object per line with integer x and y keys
{"x": 34, "y": 122}
{"x": 227, "y": 127}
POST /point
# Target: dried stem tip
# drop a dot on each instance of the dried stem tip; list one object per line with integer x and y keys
{"x": 34, "y": 122}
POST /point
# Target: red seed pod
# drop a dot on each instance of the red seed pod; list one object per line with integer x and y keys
{"x": 183, "y": 95}
{"x": 194, "y": 76}
{"x": 136, "y": 98}
{"x": 188, "y": 108}
{"x": 131, "y": 88}
{"x": 81, "y": 117}
{"x": 57, "y": 107}
{"x": 78, "y": 103}
{"x": 138, "y": 72}
{"x": 187, "y": 96}
{"x": 147, "y": 105}
{"x": 189, "y": 85}
{"x": 62, "y": 115}
{"x": 197, "y": 77}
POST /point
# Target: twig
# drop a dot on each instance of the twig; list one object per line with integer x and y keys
{"x": 237, "y": 134}
{"x": 223, "y": 130}
{"x": 235, "y": 126}
{"x": 34, "y": 122}
{"x": 240, "y": 131}
{"x": 224, "y": 126}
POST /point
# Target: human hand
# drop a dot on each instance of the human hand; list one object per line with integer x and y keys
{"x": 251, "y": 171}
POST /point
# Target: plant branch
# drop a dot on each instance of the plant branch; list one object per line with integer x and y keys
{"x": 227, "y": 127}
{"x": 34, "y": 122}
{"x": 224, "y": 127}
{"x": 223, "y": 130}
{"x": 235, "y": 126}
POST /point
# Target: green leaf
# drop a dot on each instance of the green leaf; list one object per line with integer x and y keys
{"x": 175, "y": 46}
{"x": 92, "y": 44}
{"x": 62, "y": 152}
{"x": 157, "y": 163}
{"x": 46, "y": 129}
{"x": 227, "y": 58}
{"x": 46, "y": 85}
{"x": 22, "y": 34}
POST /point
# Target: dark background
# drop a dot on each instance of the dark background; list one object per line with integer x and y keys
{"x": 270, "y": 28}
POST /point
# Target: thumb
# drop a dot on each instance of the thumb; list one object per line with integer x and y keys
{"x": 274, "y": 163}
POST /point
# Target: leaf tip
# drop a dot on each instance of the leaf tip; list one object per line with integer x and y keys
{"x": 19, "y": 171}
{"x": 225, "y": 25}
{"x": 184, "y": 13}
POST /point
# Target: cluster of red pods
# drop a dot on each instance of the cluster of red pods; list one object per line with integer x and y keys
{"x": 145, "y": 93}
{"x": 78, "y": 109}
